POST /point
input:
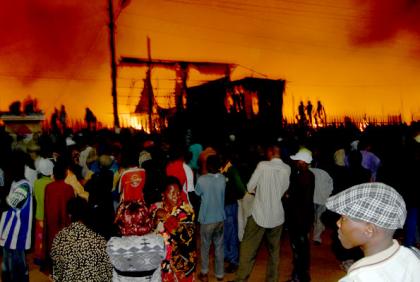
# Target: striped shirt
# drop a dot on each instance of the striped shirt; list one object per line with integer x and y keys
{"x": 270, "y": 181}
{"x": 16, "y": 222}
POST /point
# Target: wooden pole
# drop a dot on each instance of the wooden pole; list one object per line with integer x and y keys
{"x": 113, "y": 65}
{"x": 149, "y": 70}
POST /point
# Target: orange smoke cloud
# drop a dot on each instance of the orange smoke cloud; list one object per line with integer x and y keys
{"x": 50, "y": 37}
{"x": 384, "y": 19}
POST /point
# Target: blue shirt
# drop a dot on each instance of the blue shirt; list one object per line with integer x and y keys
{"x": 211, "y": 188}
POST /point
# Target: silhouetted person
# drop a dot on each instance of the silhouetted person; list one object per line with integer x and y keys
{"x": 63, "y": 118}
{"x": 309, "y": 109}
{"x": 90, "y": 119}
{"x": 54, "y": 120}
{"x": 358, "y": 174}
{"x": 14, "y": 108}
{"x": 300, "y": 213}
{"x": 320, "y": 115}
{"x": 100, "y": 203}
{"x": 29, "y": 106}
{"x": 301, "y": 112}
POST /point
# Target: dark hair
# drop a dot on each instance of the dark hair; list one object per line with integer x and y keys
{"x": 176, "y": 152}
{"x": 77, "y": 209}
{"x": 355, "y": 159}
{"x": 133, "y": 207}
{"x": 171, "y": 180}
{"x": 213, "y": 163}
{"x": 129, "y": 157}
{"x": 60, "y": 170}
{"x": 16, "y": 168}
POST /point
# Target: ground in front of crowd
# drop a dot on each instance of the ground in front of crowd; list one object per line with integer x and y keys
{"x": 324, "y": 266}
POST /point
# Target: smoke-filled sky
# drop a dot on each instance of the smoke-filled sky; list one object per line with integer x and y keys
{"x": 356, "y": 56}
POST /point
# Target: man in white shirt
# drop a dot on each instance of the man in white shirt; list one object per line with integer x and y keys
{"x": 323, "y": 188}
{"x": 269, "y": 182}
{"x": 370, "y": 214}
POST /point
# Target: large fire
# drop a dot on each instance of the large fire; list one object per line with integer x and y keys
{"x": 135, "y": 123}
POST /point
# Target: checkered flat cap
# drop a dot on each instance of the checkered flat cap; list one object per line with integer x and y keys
{"x": 376, "y": 203}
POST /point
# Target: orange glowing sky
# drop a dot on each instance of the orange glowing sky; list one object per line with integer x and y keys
{"x": 356, "y": 56}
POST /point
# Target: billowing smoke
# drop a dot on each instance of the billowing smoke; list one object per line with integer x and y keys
{"x": 49, "y": 38}
{"x": 384, "y": 19}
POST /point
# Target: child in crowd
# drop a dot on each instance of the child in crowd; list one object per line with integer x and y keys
{"x": 370, "y": 214}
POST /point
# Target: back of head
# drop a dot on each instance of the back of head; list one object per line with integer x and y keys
{"x": 355, "y": 159}
{"x": 213, "y": 163}
{"x": 365, "y": 144}
{"x": 77, "y": 209}
{"x": 129, "y": 157}
{"x": 105, "y": 161}
{"x": 275, "y": 150}
{"x": 16, "y": 168}
{"x": 176, "y": 153}
{"x": 60, "y": 170}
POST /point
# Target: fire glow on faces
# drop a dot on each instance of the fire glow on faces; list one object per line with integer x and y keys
{"x": 352, "y": 233}
{"x": 172, "y": 195}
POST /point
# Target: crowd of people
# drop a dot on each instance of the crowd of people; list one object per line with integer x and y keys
{"x": 99, "y": 206}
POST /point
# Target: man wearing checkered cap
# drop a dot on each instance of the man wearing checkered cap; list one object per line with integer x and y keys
{"x": 370, "y": 214}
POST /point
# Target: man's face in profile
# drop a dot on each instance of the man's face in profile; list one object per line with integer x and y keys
{"x": 351, "y": 232}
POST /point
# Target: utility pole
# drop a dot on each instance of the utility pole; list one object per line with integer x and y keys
{"x": 113, "y": 64}
{"x": 150, "y": 92}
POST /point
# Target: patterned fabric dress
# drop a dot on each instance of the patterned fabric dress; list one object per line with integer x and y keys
{"x": 178, "y": 232}
{"x": 133, "y": 218}
{"x": 79, "y": 254}
{"x": 136, "y": 258}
